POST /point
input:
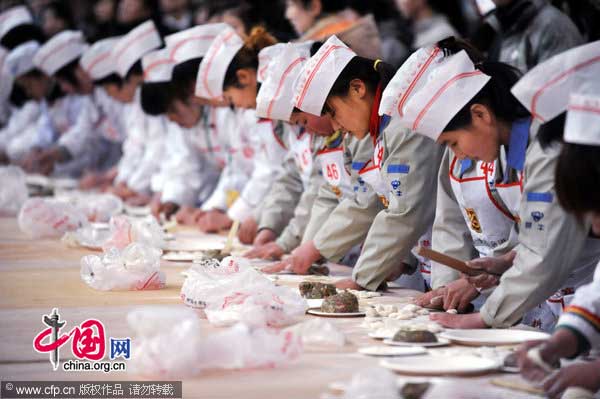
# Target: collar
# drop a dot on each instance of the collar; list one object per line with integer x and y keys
{"x": 375, "y": 122}
{"x": 465, "y": 165}
{"x": 519, "y": 138}
{"x": 334, "y": 141}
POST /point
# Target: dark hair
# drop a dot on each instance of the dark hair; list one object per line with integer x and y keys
{"x": 113, "y": 78}
{"x": 495, "y": 94}
{"x": 552, "y": 131}
{"x": 136, "y": 69}
{"x": 315, "y": 47}
{"x": 155, "y": 97}
{"x": 327, "y": 6}
{"x": 577, "y": 173}
{"x": 184, "y": 78}
{"x": 371, "y": 72}
{"x": 67, "y": 72}
{"x": 18, "y": 97}
{"x": 62, "y": 11}
{"x": 247, "y": 56}
{"x": 21, "y": 34}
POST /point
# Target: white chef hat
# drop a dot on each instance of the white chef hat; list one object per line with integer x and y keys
{"x": 57, "y": 52}
{"x": 193, "y": 42}
{"x": 275, "y": 99}
{"x": 97, "y": 60}
{"x": 211, "y": 74}
{"x": 132, "y": 47}
{"x": 485, "y": 6}
{"x": 448, "y": 85}
{"x": 583, "y": 119}
{"x": 20, "y": 59}
{"x": 411, "y": 77}
{"x": 158, "y": 66}
{"x": 320, "y": 73}
{"x": 265, "y": 56}
{"x": 14, "y": 17}
{"x": 6, "y": 78}
{"x": 545, "y": 89}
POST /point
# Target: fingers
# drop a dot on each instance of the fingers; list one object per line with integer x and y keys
{"x": 253, "y": 253}
{"x": 436, "y": 302}
{"x": 555, "y": 385}
{"x": 276, "y": 268}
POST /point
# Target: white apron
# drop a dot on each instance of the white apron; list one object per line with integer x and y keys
{"x": 371, "y": 173}
{"x": 490, "y": 211}
{"x": 301, "y": 148}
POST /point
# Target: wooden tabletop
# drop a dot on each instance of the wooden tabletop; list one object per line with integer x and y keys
{"x": 38, "y": 275}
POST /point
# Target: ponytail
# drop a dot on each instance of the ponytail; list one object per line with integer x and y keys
{"x": 371, "y": 72}
{"x": 247, "y": 56}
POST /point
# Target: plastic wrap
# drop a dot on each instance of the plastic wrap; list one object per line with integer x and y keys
{"x": 13, "y": 192}
{"x": 319, "y": 332}
{"x": 48, "y": 218}
{"x": 96, "y": 207}
{"x": 137, "y": 267}
{"x": 371, "y": 383}
{"x": 125, "y": 230}
{"x": 170, "y": 343}
{"x": 233, "y": 293}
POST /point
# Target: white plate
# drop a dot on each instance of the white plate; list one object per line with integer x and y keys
{"x": 65, "y": 183}
{"x": 392, "y": 351}
{"x": 317, "y": 312}
{"x": 441, "y": 342}
{"x": 181, "y": 256}
{"x": 37, "y": 180}
{"x": 376, "y": 335}
{"x": 314, "y": 303}
{"x": 490, "y": 337}
{"x": 441, "y": 365}
{"x": 137, "y": 210}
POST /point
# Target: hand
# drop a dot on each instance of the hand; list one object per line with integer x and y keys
{"x": 47, "y": 159}
{"x": 299, "y": 261}
{"x": 529, "y": 369}
{"x": 247, "y": 231}
{"x": 214, "y": 221}
{"x": 155, "y": 205}
{"x": 139, "y": 200}
{"x": 90, "y": 180}
{"x": 459, "y": 295}
{"x": 433, "y": 299}
{"x": 563, "y": 343}
{"x": 584, "y": 375}
{"x": 30, "y": 161}
{"x": 269, "y": 251}
{"x": 186, "y": 215}
{"x": 461, "y": 321}
{"x": 483, "y": 281}
{"x": 264, "y": 236}
{"x": 122, "y": 191}
{"x": 169, "y": 209}
{"x": 493, "y": 265}
{"x": 348, "y": 284}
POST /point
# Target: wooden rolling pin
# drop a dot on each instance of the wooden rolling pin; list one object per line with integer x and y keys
{"x": 449, "y": 261}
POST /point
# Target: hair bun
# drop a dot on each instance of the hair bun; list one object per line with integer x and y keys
{"x": 258, "y": 39}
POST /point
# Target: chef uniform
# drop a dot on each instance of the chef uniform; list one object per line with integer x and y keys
{"x": 391, "y": 221}
{"x": 142, "y": 148}
{"x": 259, "y": 139}
{"x": 288, "y": 206}
{"x": 583, "y": 313}
{"x": 545, "y": 261}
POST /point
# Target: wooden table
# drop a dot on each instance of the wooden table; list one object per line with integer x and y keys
{"x": 36, "y": 276}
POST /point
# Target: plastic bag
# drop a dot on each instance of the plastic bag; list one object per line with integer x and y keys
{"x": 169, "y": 343}
{"x": 14, "y": 190}
{"x": 125, "y": 230}
{"x": 319, "y": 332}
{"x": 86, "y": 236}
{"x": 137, "y": 267}
{"x": 233, "y": 293}
{"x": 48, "y": 218}
{"x": 371, "y": 383}
{"x": 97, "y": 207}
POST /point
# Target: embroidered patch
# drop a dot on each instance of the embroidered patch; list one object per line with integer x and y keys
{"x": 357, "y": 165}
{"x": 473, "y": 220}
{"x": 540, "y": 197}
{"x": 396, "y": 187}
{"x": 537, "y": 216}
{"x": 398, "y": 168}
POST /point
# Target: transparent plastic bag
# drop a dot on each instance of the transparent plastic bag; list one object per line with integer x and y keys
{"x": 48, "y": 218}
{"x": 170, "y": 343}
{"x": 97, "y": 207}
{"x": 125, "y": 230}
{"x": 319, "y": 332}
{"x": 373, "y": 383}
{"x": 137, "y": 267}
{"x": 14, "y": 190}
{"x": 241, "y": 296}
{"x": 86, "y": 236}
